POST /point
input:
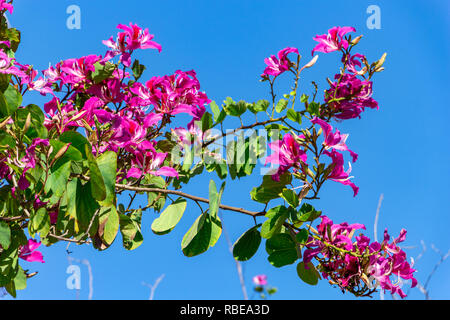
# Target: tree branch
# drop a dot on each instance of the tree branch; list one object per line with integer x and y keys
{"x": 188, "y": 196}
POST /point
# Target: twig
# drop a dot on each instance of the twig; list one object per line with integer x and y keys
{"x": 377, "y": 215}
{"x": 153, "y": 286}
{"x": 238, "y": 264}
{"x": 188, "y": 196}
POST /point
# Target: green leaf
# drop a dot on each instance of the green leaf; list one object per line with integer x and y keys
{"x": 294, "y": 116}
{"x": 247, "y": 245}
{"x": 10, "y": 100}
{"x": 5, "y": 235}
{"x": 108, "y": 225}
{"x": 260, "y": 106}
{"x": 235, "y": 109}
{"x": 130, "y": 228}
{"x": 308, "y": 213}
{"x": 202, "y": 235}
{"x": 98, "y": 184}
{"x": 170, "y": 217}
{"x": 107, "y": 164}
{"x": 219, "y": 115}
{"x": 302, "y": 236}
{"x": 308, "y": 273}
{"x": 215, "y": 198}
{"x": 270, "y": 189}
{"x": 291, "y": 197}
{"x": 76, "y": 140}
{"x": 206, "y": 122}
{"x": 281, "y": 105}
{"x": 6, "y": 140}
{"x": 314, "y": 108}
{"x": 20, "y": 281}
{"x": 103, "y": 72}
{"x": 57, "y": 179}
{"x": 281, "y": 249}
{"x": 40, "y": 222}
{"x": 81, "y": 206}
{"x": 276, "y": 217}
{"x": 138, "y": 69}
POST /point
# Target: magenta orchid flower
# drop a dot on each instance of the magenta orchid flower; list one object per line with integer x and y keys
{"x": 347, "y": 269}
{"x": 287, "y": 154}
{"x": 354, "y": 63}
{"x": 147, "y": 160}
{"x": 28, "y": 252}
{"x": 350, "y": 97}
{"x": 28, "y": 161}
{"x": 260, "y": 280}
{"x": 338, "y": 174}
{"x": 6, "y": 6}
{"x": 333, "y": 41}
{"x": 7, "y": 67}
{"x": 276, "y": 66}
{"x": 334, "y": 140}
{"x": 132, "y": 38}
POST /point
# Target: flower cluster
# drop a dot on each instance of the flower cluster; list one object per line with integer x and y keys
{"x": 354, "y": 263}
{"x": 346, "y": 98}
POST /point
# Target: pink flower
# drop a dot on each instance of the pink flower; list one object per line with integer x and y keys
{"x": 131, "y": 39}
{"x": 333, "y": 41}
{"x": 334, "y": 140}
{"x": 28, "y": 161}
{"x": 149, "y": 161}
{"x": 338, "y": 174}
{"x": 352, "y": 97}
{"x": 286, "y": 154}
{"x": 77, "y": 71}
{"x": 260, "y": 280}
{"x": 353, "y": 62}
{"x": 275, "y": 66}
{"x": 28, "y": 252}
{"x": 6, "y": 66}
{"x": 370, "y": 263}
{"x": 6, "y": 6}
{"x": 178, "y": 93}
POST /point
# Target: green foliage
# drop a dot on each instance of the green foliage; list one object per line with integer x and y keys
{"x": 275, "y": 219}
{"x": 308, "y": 273}
{"x": 170, "y": 217}
{"x": 10, "y": 100}
{"x": 247, "y": 244}
{"x": 270, "y": 189}
{"x": 130, "y": 228}
{"x": 282, "y": 250}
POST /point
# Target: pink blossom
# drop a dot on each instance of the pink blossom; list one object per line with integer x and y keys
{"x": 6, "y": 6}
{"x": 349, "y": 96}
{"x": 131, "y": 39}
{"x": 178, "y": 93}
{"x": 287, "y": 154}
{"x": 28, "y": 161}
{"x": 333, "y": 41}
{"x": 338, "y": 174}
{"x": 334, "y": 140}
{"x": 28, "y": 252}
{"x": 260, "y": 280}
{"x": 150, "y": 161}
{"x": 276, "y": 66}
{"x": 359, "y": 260}
{"x": 355, "y": 61}
{"x": 6, "y": 66}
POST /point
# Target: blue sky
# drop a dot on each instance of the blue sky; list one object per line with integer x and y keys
{"x": 403, "y": 147}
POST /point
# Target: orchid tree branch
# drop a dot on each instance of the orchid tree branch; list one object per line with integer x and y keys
{"x": 238, "y": 264}
{"x": 153, "y": 286}
{"x": 187, "y": 196}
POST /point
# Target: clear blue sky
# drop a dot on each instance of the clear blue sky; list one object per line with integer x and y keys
{"x": 403, "y": 147}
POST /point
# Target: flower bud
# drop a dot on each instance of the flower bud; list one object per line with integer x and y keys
{"x": 356, "y": 40}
